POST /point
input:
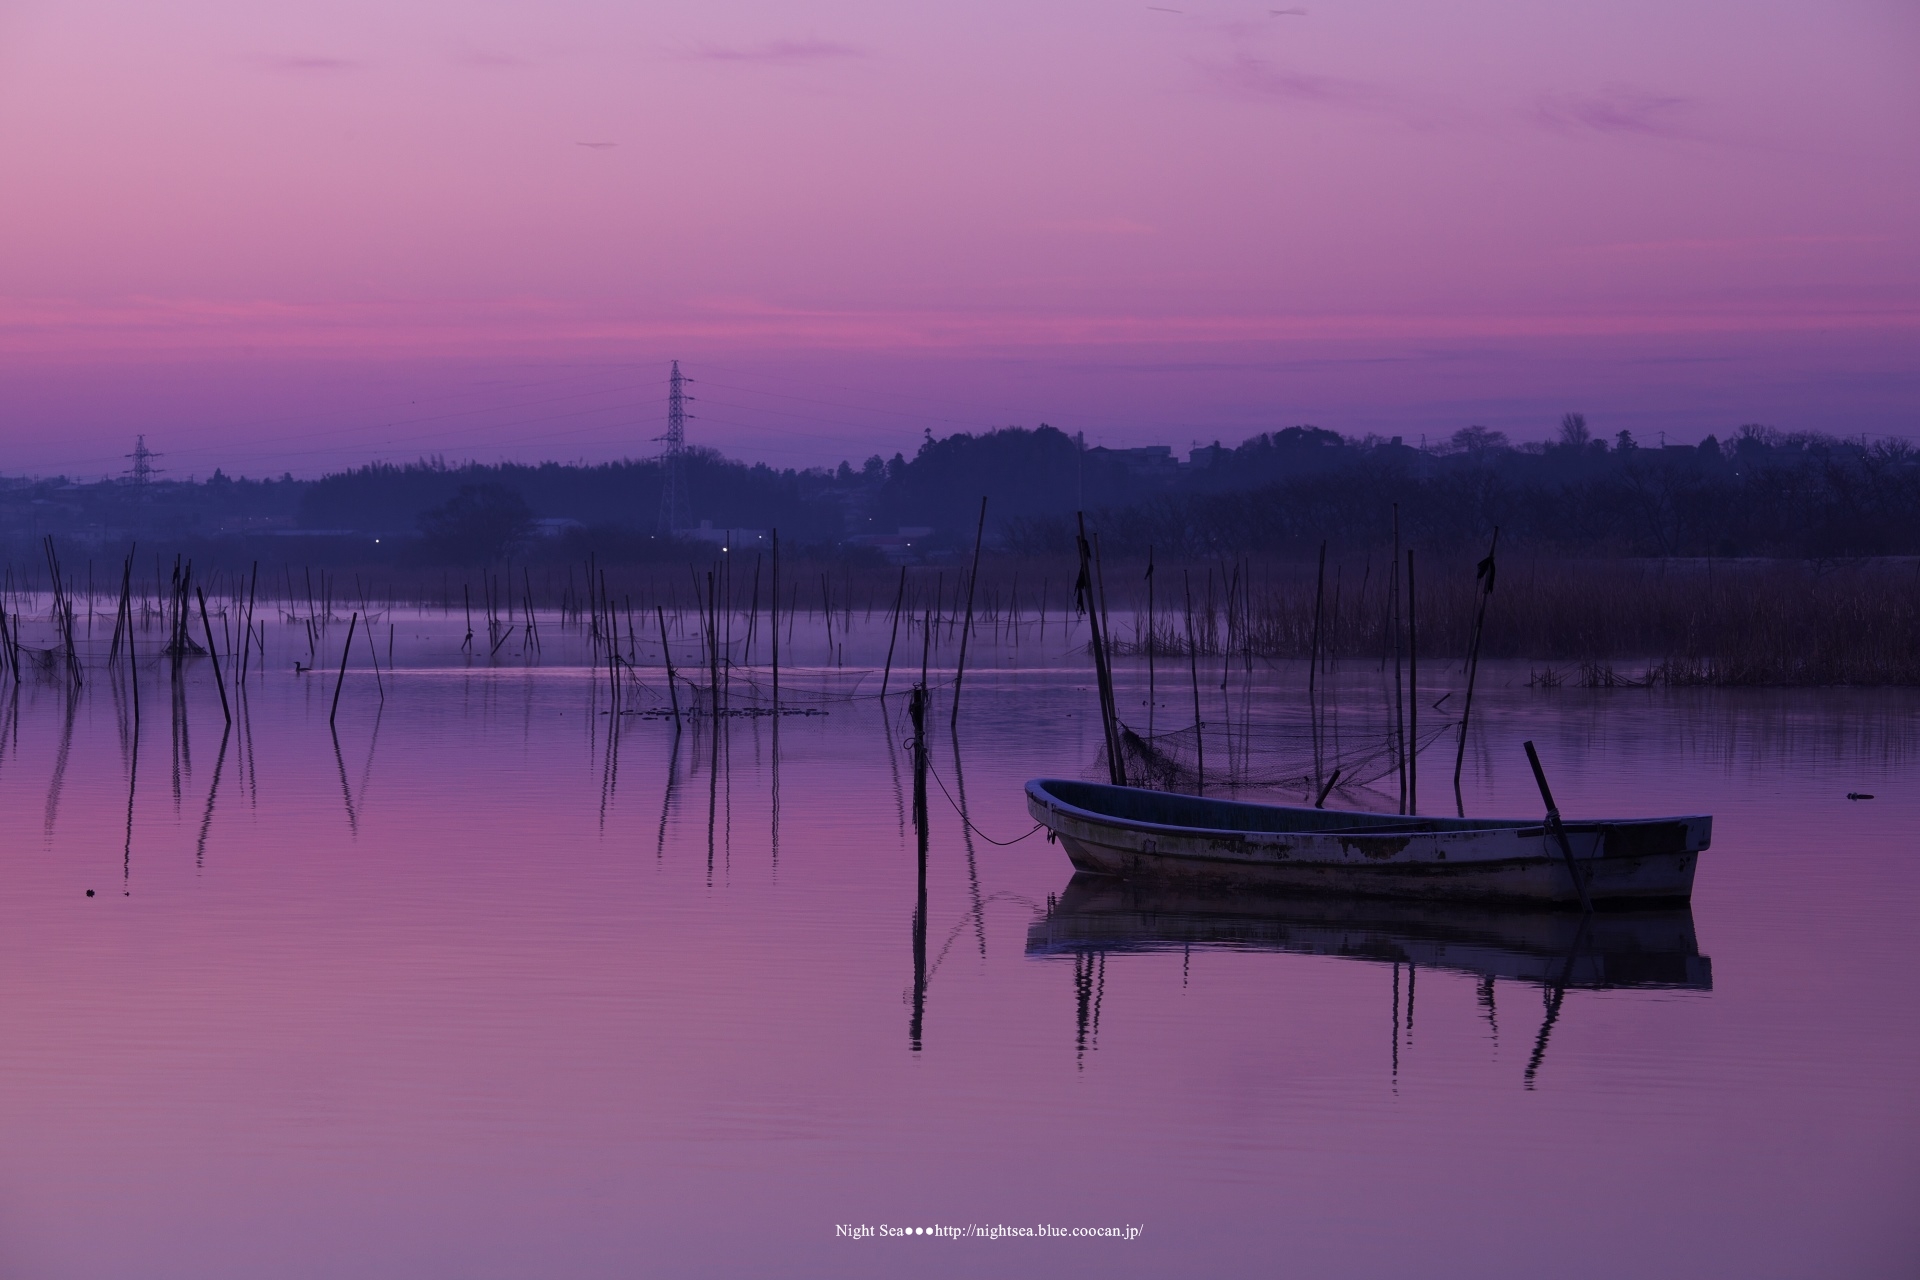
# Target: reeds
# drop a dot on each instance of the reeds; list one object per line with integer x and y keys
{"x": 1597, "y": 623}
{"x": 966, "y": 628}
{"x": 1604, "y": 623}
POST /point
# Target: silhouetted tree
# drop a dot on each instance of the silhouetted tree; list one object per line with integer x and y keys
{"x": 475, "y": 526}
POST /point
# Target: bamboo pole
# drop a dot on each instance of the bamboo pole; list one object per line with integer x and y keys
{"x": 13, "y": 649}
{"x": 123, "y": 616}
{"x": 898, "y": 596}
{"x": 213, "y": 651}
{"x": 133, "y": 677}
{"x": 1313, "y": 662}
{"x": 826, "y": 616}
{"x": 667, "y": 655}
{"x": 772, "y": 615}
{"x": 966, "y": 628}
{"x": 1558, "y": 829}
{"x": 917, "y": 709}
{"x": 532, "y": 626}
{"x": 713, "y": 650}
{"x": 1482, "y": 577}
{"x": 1193, "y": 670}
{"x": 246, "y": 646}
{"x": 1399, "y": 703}
{"x": 1087, "y": 593}
{"x": 753, "y": 615}
{"x": 1150, "y": 642}
{"x": 1413, "y": 695}
{"x": 341, "y": 679}
{"x": 926, "y": 643}
{"x": 373, "y": 656}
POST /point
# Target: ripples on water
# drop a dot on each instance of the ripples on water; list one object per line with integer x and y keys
{"x": 481, "y": 990}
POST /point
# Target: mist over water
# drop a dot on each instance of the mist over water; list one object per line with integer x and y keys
{"x": 491, "y": 983}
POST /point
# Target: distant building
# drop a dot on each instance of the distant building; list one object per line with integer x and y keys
{"x": 1150, "y": 462}
{"x": 1204, "y": 457}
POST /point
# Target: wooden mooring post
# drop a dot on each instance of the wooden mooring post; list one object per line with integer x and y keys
{"x": 1558, "y": 829}
{"x": 966, "y": 627}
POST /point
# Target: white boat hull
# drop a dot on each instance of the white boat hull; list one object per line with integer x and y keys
{"x": 1151, "y": 835}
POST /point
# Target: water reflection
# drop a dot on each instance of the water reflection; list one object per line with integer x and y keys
{"x": 373, "y": 746}
{"x": 133, "y": 790}
{"x": 666, "y": 794}
{"x": 213, "y": 797}
{"x": 1089, "y": 987}
{"x": 713, "y": 785}
{"x": 966, "y": 835}
{"x": 182, "y": 743}
{"x": 60, "y": 765}
{"x": 610, "y": 766}
{"x": 346, "y": 790}
{"x": 1556, "y": 951}
{"x": 917, "y": 709}
{"x": 354, "y": 804}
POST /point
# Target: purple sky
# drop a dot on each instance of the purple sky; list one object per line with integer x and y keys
{"x": 280, "y": 238}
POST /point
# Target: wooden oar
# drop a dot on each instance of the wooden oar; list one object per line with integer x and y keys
{"x": 1558, "y": 828}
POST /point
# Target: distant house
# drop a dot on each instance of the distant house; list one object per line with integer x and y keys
{"x": 1150, "y": 462}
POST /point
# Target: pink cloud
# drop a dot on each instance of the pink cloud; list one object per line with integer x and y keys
{"x": 1725, "y": 245}
{"x": 1619, "y": 110}
{"x": 165, "y": 328}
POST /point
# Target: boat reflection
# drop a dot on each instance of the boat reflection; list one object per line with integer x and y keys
{"x": 1554, "y": 951}
{"x": 1560, "y": 949}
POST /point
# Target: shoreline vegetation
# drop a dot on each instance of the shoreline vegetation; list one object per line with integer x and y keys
{"x": 1781, "y": 559}
{"x": 1582, "y": 623}
{"x": 1606, "y": 624}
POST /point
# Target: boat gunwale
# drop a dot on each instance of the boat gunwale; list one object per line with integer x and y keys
{"x": 1041, "y": 789}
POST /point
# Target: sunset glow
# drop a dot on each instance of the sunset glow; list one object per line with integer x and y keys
{"x": 258, "y": 233}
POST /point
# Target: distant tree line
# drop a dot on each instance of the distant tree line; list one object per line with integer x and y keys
{"x": 1763, "y": 493}
{"x": 1760, "y": 493}
{"x": 615, "y": 495}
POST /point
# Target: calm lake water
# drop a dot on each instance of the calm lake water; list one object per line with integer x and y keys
{"x": 477, "y": 989}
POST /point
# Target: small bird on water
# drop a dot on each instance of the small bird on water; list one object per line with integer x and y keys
{"x": 1859, "y": 795}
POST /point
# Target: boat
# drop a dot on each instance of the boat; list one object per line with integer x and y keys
{"x": 1145, "y": 835}
{"x": 1649, "y": 948}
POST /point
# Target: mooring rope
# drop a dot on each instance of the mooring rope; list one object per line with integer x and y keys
{"x": 969, "y": 821}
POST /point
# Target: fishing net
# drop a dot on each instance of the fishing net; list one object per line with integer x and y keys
{"x": 1276, "y": 755}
